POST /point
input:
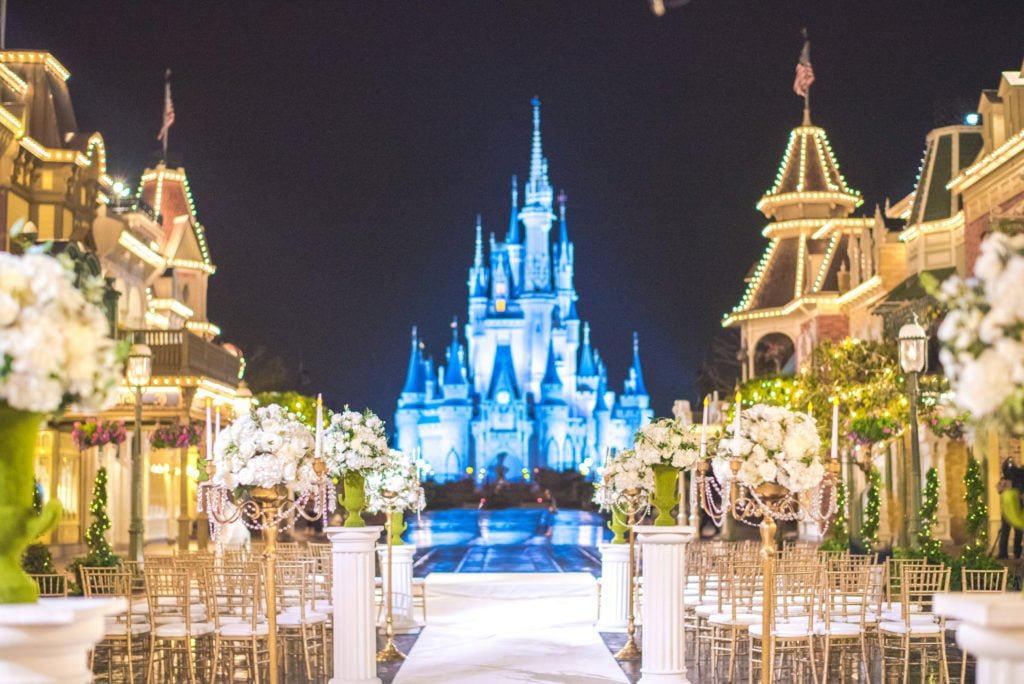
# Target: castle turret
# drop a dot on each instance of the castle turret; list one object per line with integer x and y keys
{"x": 587, "y": 374}
{"x": 513, "y": 240}
{"x": 456, "y": 388}
{"x": 415, "y": 389}
{"x": 564, "y": 263}
{"x": 551, "y": 386}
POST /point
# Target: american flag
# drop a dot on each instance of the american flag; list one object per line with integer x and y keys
{"x": 804, "y": 71}
{"x": 168, "y": 111}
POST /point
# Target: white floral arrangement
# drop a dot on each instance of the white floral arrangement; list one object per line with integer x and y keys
{"x": 399, "y": 477}
{"x": 982, "y": 335}
{"x": 55, "y": 344}
{"x": 775, "y": 445}
{"x": 266, "y": 448}
{"x": 355, "y": 442}
{"x": 667, "y": 441}
{"x": 623, "y": 472}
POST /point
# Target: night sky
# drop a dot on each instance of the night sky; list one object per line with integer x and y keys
{"x": 339, "y": 151}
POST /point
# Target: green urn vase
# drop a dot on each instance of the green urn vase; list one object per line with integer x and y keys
{"x": 618, "y": 526}
{"x": 398, "y": 527}
{"x": 666, "y": 493}
{"x": 19, "y": 524}
{"x": 353, "y": 498}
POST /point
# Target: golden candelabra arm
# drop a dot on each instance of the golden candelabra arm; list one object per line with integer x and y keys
{"x": 631, "y": 651}
{"x": 390, "y": 651}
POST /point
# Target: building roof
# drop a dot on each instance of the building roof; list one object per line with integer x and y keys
{"x": 503, "y": 375}
{"x": 586, "y": 368}
{"x": 415, "y": 381}
{"x": 947, "y": 151}
{"x": 454, "y": 374}
{"x": 809, "y": 173}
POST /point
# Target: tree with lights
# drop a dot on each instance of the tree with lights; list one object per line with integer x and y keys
{"x": 100, "y": 555}
{"x": 929, "y": 546}
{"x": 872, "y": 511}
{"x": 839, "y": 534}
{"x": 37, "y": 559}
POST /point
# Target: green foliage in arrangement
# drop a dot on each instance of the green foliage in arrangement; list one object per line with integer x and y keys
{"x": 37, "y": 559}
{"x": 930, "y": 547}
{"x": 100, "y": 555}
{"x": 303, "y": 406}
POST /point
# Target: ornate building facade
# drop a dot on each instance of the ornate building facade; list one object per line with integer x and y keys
{"x": 527, "y": 389}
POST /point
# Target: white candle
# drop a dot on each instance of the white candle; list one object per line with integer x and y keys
{"x": 736, "y": 426}
{"x": 835, "y": 429}
{"x": 318, "y": 449}
{"x": 209, "y": 432}
{"x": 704, "y": 430}
{"x": 216, "y": 427}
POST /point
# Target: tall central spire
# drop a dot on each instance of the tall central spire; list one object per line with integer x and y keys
{"x": 538, "y": 189}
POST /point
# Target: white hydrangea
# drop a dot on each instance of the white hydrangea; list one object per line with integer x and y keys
{"x": 668, "y": 442}
{"x": 266, "y": 448}
{"x": 55, "y": 345}
{"x": 775, "y": 445}
{"x": 981, "y": 335}
{"x": 623, "y": 472}
{"x": 355, "y": 442}
{"x": 398, "y": 476}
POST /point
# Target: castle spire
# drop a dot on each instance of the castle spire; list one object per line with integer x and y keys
{"x": 538, "y": 189}
{"x": 454, "y": 374}
{"x": 586, "y": 367}
{"x": 513, "y": 218}
{"x": 638, "y": 373}
{"x": 478, "y": 252}
{"x": 415, "y": 382}
{"x": 563, "y": 231}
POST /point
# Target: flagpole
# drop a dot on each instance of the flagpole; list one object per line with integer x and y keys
{"x": 167, "y": 129}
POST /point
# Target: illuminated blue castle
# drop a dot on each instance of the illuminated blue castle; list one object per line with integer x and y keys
{"x": 527, "y": 389}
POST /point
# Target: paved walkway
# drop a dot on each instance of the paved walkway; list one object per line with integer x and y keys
{"x": 504, "y": 628}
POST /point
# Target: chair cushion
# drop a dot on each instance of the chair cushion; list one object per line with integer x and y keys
{"x": 294, "y": 619}
{"x": 242, "y": 630}
{"x": 837, "y": 629}
{"x": 727, "y": 620}
{"x": 114, "y": 628}
{"x": 176, "y": 630}
{"x": 783, "y": 631}
{"x": 915, "y": 628}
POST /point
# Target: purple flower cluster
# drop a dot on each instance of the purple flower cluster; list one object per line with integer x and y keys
{"x": 97, "y": 433}
{"x": 176, "y": 436}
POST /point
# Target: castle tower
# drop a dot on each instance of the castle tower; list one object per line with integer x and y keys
{"x": 536, "y": 215}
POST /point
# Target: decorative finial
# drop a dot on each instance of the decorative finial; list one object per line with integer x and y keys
{"x": 636, "y": 342}
{"x": 562, "y": 198}
{"x": 414, "y": 337}
{"x": 586, "y": 333}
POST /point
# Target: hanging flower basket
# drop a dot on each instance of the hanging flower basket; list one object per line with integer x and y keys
{"x": 869, "y": 430}
{"x": 98, "y": 433}
{"x": 176, "y": 436}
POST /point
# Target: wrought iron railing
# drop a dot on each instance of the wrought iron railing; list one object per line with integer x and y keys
{"x": 183, "y": 353}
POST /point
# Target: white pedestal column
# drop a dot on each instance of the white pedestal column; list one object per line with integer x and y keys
{"x": 403, "y": 616}
{"x": 613, "y": 608}
{"x": 355, "y": 635}
{"x": 992, "y": 630}
{"x": 49, "y": 642}
{"x": 664, "y": 571}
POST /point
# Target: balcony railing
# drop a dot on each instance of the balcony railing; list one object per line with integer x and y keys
{"x": 183, "y": 353}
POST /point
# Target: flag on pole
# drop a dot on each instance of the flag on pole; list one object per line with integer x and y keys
{"x": 804, "y": 71}
{"x": 168, "y": 112}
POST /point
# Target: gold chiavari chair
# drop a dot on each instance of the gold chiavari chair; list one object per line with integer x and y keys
{"x": 842, "y": 629}
{"x": 123, "y": 650}
{"x": 727, "y": 629}
{"x": 892, "y": 581}
{"x": 792, "y": 626}
{"x": 51, "y": 585}
{"x": 978, "y": 582}
{"x": 303, "y": 630}
{"x": 241, "y": 641}
{"x": 917, "y": 629}
{"x": 182, "y": 645}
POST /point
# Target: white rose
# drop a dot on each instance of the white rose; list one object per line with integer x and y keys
{"x": 985, "y": 383}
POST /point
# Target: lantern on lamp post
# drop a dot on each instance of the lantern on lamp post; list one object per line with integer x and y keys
{"x": 138, "y": 373}
{"x": 913, "y": 342}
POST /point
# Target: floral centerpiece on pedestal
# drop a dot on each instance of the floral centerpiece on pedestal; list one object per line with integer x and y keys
{"x": 394, "y": 488}
{"x": 982, "y": 336}
{"x": 667, "y": 446}
{"x": 625, "y": 476}
{"x": 775, "y": 446}
{"x": 268, "y": 449}
{"x": 355, "y": 445}
{"x": 55, "y": 351}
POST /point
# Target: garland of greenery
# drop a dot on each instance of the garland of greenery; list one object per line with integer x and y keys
{"x": 100, "y": 552}
{"x": 839, "y": 533}
{"x": 872, "y": 511}
{"x": 977, "y": 510}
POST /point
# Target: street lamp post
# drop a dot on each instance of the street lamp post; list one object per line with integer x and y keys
{"x": 913, "y": 359}
{"x": 140, "y": 367}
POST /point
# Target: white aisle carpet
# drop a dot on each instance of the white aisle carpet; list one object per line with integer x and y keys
{"x": 493, "y": 628}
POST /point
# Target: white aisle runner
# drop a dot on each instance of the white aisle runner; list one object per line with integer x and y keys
{"x": 510, "y": 627}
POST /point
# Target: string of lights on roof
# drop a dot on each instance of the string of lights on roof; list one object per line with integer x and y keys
{"x": 983, "y": 166}
{"x": 825, "y": 263}
{"x": 759, "y": 270}
{"x": 801, "y": 259}
{"x": 159, "y": 176}
{"x": 738, "y": 316}
{"x": 45, "y": 58}
{"x": 838, "y": 191}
